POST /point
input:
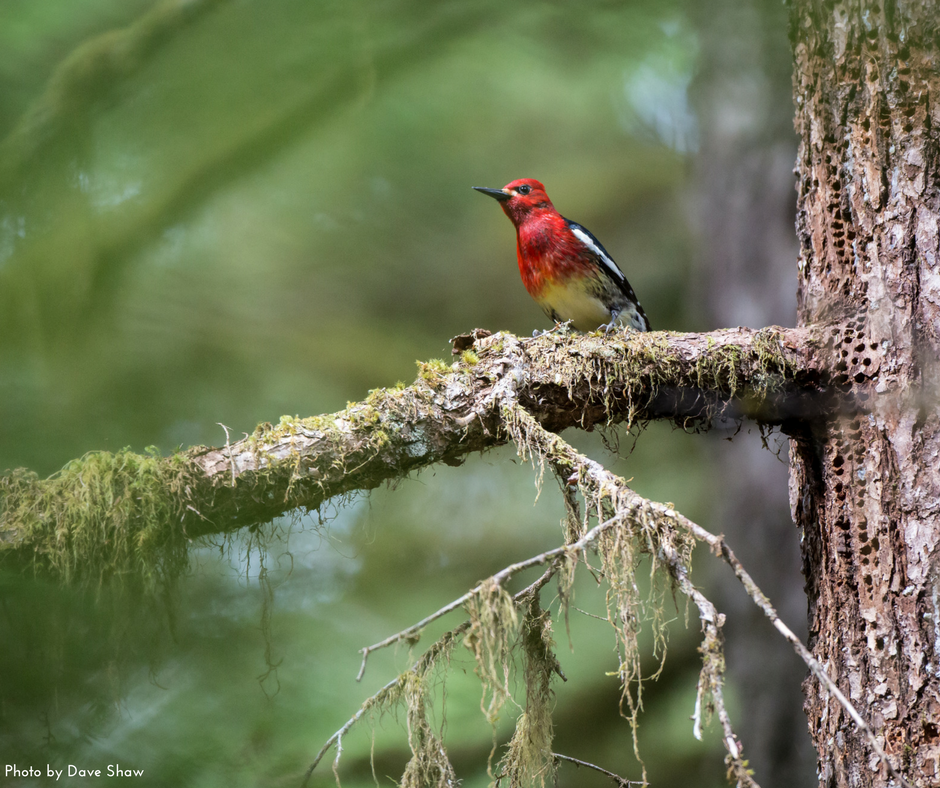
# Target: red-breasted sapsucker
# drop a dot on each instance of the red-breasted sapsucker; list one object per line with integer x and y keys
{"x": 563, "y": 266}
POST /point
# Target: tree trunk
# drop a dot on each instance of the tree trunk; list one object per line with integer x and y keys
{"x": 865, "y": 490}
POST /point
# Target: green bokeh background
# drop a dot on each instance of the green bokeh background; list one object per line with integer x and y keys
{"x": 222, "y": 212}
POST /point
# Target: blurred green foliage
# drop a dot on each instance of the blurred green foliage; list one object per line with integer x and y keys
{"x": 221, "y": 212}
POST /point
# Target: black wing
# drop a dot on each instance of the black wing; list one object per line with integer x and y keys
{"x": 613, "y": 270}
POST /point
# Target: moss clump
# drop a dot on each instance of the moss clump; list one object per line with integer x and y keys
{"x": 469, "y": 358}
{"x": 433, "y": 370}
{"x": 528, "y": 759}
{"x": 717, "y": 370}
{"x": 107, "y": 517}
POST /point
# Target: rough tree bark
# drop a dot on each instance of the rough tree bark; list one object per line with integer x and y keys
{"x": 865, "y": 490}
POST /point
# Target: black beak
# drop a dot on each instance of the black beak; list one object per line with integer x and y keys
{"x": 496, "y": 194}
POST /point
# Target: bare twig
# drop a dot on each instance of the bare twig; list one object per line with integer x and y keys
{"x": 621, "y": 781}
{"x": 711, "y": 621}
{"x": 228, "y": 448}
{"x": 437, "y": 648}
{"x": 413, "y": 632}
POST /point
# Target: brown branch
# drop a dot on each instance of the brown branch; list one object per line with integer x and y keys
{"x": 414, "y": 631}
{"x": 450, "y": 411}
{"x": 436, "y": 650}
{"x": 597, "y": 483}
{"x": 621, "y": 781}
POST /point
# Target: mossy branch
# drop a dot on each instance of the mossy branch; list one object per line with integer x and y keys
{"x": 111, "y": 514}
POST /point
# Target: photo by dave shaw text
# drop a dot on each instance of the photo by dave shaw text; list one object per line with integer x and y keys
{"x": 111, "y": 770}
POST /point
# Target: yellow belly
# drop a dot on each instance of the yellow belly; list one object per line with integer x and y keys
{"x": 576, "y": 301}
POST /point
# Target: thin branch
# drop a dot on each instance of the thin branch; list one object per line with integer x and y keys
{"x": 712, "y": 621}
{"x": 621, "y": 781}
{"x": 413, "y": 632}
{"x": 435, "y": 649}
{"x": 534, "y": 440}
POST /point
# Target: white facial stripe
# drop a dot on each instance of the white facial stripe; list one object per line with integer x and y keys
{"x": 611, "y": 266}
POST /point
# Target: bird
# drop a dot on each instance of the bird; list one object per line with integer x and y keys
{"x": 564, "y": 267}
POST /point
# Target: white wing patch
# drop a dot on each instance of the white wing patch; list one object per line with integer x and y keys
{"x": 631, "y": 314}
{"x": 591, "y": 243}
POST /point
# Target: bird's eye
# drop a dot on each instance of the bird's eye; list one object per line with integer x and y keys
{"x": 524, "y": 189}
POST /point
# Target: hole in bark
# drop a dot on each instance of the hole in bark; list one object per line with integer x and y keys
{"x": 874, "y": 543}
{"x": 931, "y": 731}
{"x": 838, "y": 461}
{"x": 842, "y": 379}
{"x": 867, "y": 580}
{"x": 866, "y": 362}
{"x": 866, "y": 549}
{"x": 860, "y": 348}
{"x": 873, "y": 346}
{"x": 851, "y": 234}
{"x": 845, "y": 353}
{"x": 855, "y": 360}
{"x": 860, "y": 377}
{"x": 908, "y": 127}
{"x": 879, "y": 641}
{"x": 840, "y": 523}
{"x": 854, "y": 425}
{"x": 909, "y": 112}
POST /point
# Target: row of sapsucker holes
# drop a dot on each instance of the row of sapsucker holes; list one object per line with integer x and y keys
{"x": 855, "y": 355}
{"x": 855, "y": 359}
{"x": 844, "y": 473}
